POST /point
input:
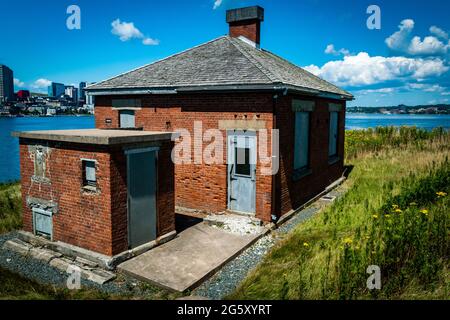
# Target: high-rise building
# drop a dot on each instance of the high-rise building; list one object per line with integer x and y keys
{"x": 56, "y": 90}
{"x": 81, "y": 90}
{"x": 71, "y": 92}
{"x": 6, "y": 84}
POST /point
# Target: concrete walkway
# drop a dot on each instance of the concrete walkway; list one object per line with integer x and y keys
{"x": 189, "y": 259}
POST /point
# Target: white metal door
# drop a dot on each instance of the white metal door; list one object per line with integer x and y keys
{"x": 242, "y": 171}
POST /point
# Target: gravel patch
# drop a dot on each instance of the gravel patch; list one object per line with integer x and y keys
{"x": 228, "y": 278}
{"x": 45, "y": 274}
{"x": 235, "y": 224}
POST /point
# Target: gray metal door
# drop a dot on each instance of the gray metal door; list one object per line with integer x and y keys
{"x": 242, "y": 171}
{"x": 142, "y": 182}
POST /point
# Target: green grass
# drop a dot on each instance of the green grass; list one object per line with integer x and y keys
{"x": 327, "y": 256}
{"x": 10, "y": 207}
{"x": 15, "y": 287}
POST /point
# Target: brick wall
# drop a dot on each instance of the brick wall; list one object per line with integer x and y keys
{"x": 251, "y": 30}
{"x": 292, "y": 194}
{"x": 95, "y": 221}
{"x": 83, "y": 219}
{"x": 200, "y": 186}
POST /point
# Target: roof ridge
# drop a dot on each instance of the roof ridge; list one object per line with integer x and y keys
{"x": 159, "y": 60}
{"x": 322, "y": 81}
{"x": 250, "y": 58}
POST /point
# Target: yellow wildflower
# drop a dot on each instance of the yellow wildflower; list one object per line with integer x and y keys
{"x": 394, "y": 206}
{"x": 375, "y": 216}
{"x": 441, "y": 194}
{"x": 305, "y": 244}
{"x": 398, "y": 210}
{"x": 424, "y": 211}
{"x": 348, "y": 240}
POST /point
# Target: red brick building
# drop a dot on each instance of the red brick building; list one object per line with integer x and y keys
{"x": 233, "y": 85}
{"x": 86, "y": 187}
{"x": 257, "y": 136}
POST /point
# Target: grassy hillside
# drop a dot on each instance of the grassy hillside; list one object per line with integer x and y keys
{"x": 10, "y": 207}
{"x": 395, "y": 215}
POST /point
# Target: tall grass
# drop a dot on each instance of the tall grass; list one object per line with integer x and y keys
{"x": 381, "y": 220}
{"x": 407, "y": 239}
{"x": 373, "y": 140}
{"x": 10, "y": 207}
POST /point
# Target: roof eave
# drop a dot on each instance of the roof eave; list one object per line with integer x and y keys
{"x": 218, "y": 88}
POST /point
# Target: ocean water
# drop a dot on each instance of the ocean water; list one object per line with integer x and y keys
{"x": 363, "y": 121}
{"x": 9, "y": 146}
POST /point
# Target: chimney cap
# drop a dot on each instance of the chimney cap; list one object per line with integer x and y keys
{"x": 247, "y": 13}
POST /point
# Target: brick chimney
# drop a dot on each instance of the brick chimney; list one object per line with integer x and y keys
{"x": 246, "y": 22}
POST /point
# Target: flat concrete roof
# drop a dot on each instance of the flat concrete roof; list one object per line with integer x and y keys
{"x": 96, "y": 136}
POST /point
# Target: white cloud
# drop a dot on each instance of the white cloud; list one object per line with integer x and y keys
{"x": 127, "y": 31}
{"x": 217, "y": 3}
{"x": 331, "y": 50}
{"x": 362, "y": 69}
{"x": 438, "y": 32}
{"x": 41, "y": 83}
{"x": 18, "y": 83}
{"x": 150, "y": 42}
{"x": 382, "y": 90}
{"x": 399, "y": 40}
{"x": 446, "y": 93}
{"x": 402, "y": 41}
{"x": 425, "y": 87}
{"x": 429, "y": 46}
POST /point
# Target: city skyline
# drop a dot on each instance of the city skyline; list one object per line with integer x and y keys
{"x": 405, "y": 62}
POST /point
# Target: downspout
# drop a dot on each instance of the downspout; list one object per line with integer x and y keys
{"x": 274, "y": 183}
{"x": 274, "y": 216}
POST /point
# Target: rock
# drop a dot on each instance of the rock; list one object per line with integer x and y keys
{"x": 18, "y": 246}
{"x": 97, "y": 275}
{"x": 193, "y": 298}
{"x": 43, "y": 254}
{"x": 60, "y": 263}
{"x": 86, "y": 262}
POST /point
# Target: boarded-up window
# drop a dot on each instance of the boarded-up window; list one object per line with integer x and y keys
{"x": 127, "y": 118}
{"x": 332, "y": 146}
{"x": 89, "y": 173}
{"x": 301, "y": 147}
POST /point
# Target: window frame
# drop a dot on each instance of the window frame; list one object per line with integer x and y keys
{"x": 246, "y": 157}
{"x": 336, "y": 138}
{"x": 134, "y": 118}
{"x": 88, "y": 183}
{"x": 308, "y": 149}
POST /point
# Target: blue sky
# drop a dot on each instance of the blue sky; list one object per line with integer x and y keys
{"x": 406, "y": 61}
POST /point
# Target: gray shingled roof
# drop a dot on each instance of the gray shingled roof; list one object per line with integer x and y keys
{"x": 225, "y": 61}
